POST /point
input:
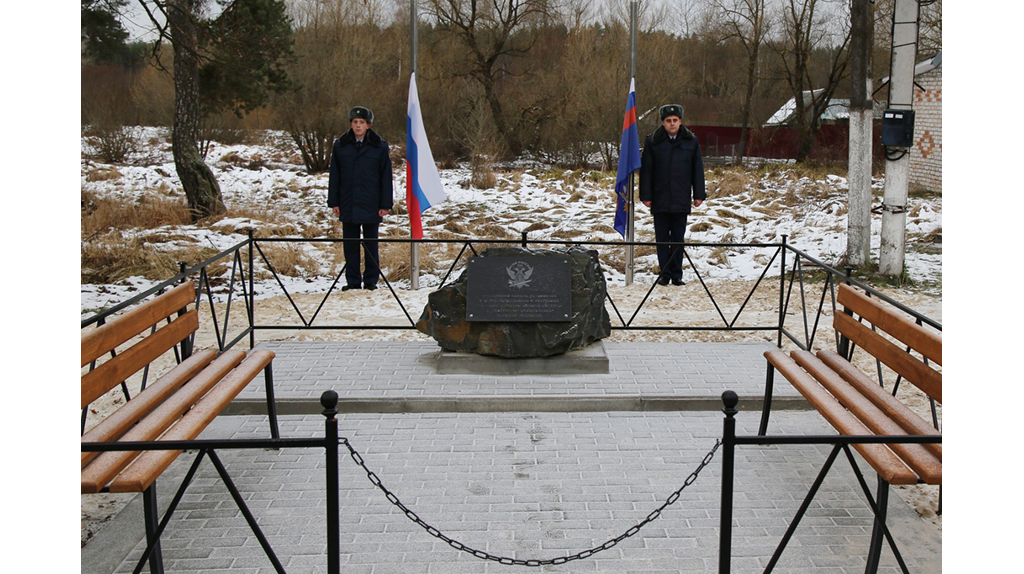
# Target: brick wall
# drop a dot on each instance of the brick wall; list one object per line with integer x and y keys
{"x": 926, "y": 155}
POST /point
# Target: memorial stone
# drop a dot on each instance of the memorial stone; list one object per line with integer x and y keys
{"x": 528, "y": 303}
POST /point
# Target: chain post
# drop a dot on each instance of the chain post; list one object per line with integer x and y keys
{"x": 730, "y": 400}
{"x": 329, "y": 400}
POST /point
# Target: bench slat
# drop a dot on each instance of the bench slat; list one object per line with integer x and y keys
{"x": 119, "y": 421}
{"x": 922, "y": 340}
{"x": 908, "y": 366}
{"x": 887, "y": 464}
{"x": 110, "y": 374}
{"x": 890, "y": 405}
{"x": 923, "y": 462}
{"x": 106, "y": 338}
{"x": 145, "y": 470}
{"x": 106, "y": 466}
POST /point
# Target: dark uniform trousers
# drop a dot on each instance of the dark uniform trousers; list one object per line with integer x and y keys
{"x": 371, "y": 273}
{"x": 670, "y": 227}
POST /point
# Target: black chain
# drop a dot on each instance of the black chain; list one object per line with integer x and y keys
{"x": 517, "y": 562}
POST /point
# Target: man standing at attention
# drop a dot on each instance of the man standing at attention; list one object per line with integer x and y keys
{"x": 671, "y": 177}
{"x": 360, "y": 192}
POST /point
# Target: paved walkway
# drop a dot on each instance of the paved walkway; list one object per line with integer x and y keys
{"x": 519, "y": 483}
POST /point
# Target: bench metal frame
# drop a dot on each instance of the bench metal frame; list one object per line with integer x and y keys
{"x": 155, "y": 524}
{"x": 182, "y": 351}
{"x": 878, "y": 504}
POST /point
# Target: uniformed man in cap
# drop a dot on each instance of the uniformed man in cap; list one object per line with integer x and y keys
{"x": 671, "y": 179}
{"x": 360, "y": 192}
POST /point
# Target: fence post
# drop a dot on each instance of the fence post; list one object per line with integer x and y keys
{"x": 730, "y": 399}
{"x": 329, "y": 400}
{"x": 524, "y": 239}
{"x": 782, "y": 290}
{"x": 252, "y": 296}
{"x": 843, "y": 343}
{"x": 188, "y": 342}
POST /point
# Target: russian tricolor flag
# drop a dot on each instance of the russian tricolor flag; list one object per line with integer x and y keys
{"x": 423, "y": 188}
{"x": 629, "y": 161}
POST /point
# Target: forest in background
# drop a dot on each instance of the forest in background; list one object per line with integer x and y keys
{"x": 500, "y": 78}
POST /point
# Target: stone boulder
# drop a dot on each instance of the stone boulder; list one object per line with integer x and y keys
{"x": 444, "y": 317}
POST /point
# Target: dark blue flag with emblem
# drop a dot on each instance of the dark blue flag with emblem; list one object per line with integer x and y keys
{"x": 629, "y": 161}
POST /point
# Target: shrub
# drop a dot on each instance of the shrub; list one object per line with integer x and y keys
{"x": 114, "y": 144}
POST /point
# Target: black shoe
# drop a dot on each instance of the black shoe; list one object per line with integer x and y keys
{"x": 663, "y": 280}
{"x": 347, "y": 287}
{"x": 678, "y": 282}
{"x": 370, "y": 287}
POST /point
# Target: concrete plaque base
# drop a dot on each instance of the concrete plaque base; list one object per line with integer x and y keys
{"x": 589, "y": 360}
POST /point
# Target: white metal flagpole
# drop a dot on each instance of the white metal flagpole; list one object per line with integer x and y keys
{"x": 414, "y": 249}
{"x": 631, "y": 203}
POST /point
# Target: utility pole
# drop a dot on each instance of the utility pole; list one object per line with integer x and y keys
{"x": 897, "y": 166}
{"x": 858, "y": 244}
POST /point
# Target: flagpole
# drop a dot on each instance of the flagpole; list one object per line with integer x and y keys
{"x": 630, "y": 203}
{"x": 414, "y": 249}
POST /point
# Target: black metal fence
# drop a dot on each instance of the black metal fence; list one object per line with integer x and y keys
{"x": 806, "y": 292}
{"x": 796, "y": 317}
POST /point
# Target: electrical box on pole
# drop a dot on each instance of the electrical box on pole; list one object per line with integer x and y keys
{"x": 898, "y": 128}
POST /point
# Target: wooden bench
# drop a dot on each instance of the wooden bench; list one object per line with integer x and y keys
{"x": 854, "y": 404}
{"x": 175, "y": 407}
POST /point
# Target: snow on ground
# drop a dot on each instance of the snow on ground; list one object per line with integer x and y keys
{"x": 266, "y": 189}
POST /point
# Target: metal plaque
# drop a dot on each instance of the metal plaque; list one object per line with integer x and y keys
{"x": 527, "y": 288}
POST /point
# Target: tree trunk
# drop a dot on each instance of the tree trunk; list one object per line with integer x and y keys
{"x": 497, "y": 112}
{"x": 201, "y": 188}
{"x": 748, "y": 98}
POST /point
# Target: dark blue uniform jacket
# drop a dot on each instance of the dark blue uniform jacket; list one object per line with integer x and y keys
{"x": 360, "y": 183}
{"x": 671, "y": 172}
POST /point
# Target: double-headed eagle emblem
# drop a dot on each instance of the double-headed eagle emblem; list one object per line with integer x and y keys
{"x": 519, "y": 274}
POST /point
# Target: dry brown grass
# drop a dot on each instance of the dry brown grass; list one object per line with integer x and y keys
{"x": 273, "y": 223}
{"x": 101, "y": 215}
{"x": 113, "y": 258}
{"x": 103, "y": 173}
{"x": 727, "y": 183}
{"x": 734, "y": 216}
{"x": 290, "y": 260}
{"x": 482, "y": 176}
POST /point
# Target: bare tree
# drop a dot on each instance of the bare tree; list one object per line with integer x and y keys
{"x": 747, "y": 22}
{"x": 492, "y": 32}
{"x": 812, "y": 29}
